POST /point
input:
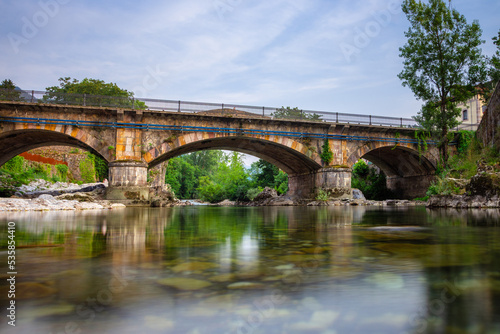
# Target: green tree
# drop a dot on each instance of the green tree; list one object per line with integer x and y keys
{"x": 8, "y": 91}
{"x": 372, "y": 183}
{"x": 182, "y": 177}
{"x": 230, "y": 181}
{"x": 487, "y": 88}
{"x": 91, "y": 92}
{"x": 265, "y": 174}
{"x": 183, "y": 173}
{"x": 294, "y": 113}
{"x": 494, "y": 62}
{"x": 442, "y": 64}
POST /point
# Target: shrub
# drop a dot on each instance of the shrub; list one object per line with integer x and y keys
{"x": 326, "y": 153}
{"x": 87, "y": 168}
{"x": 322, "y": 195}
{"x": 14, "y": 165}
{"x": 62, "y": 171}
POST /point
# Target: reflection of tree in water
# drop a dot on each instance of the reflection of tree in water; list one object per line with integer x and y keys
{"x": 463, "y": 217}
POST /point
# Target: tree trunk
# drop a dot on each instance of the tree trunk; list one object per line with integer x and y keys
{"x": 444, "y": 136}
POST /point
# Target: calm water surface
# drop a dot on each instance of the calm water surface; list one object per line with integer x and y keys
{"x": 255, "y": 270}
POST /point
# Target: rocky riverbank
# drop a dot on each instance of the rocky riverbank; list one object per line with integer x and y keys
{"x": 269, "y": 197}
{"x": 41, "y": 195}
{"x": 49, "y": 203}
{"x": 482, "y": 191}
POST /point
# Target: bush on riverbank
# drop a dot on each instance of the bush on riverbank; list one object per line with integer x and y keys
{"x": 471, "y": 159}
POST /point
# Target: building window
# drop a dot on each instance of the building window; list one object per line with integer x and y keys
{"x": 464, "y": 115}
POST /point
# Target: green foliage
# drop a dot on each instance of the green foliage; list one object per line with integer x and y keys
{"x": 423, "y": 199}
{"x": 87, "y": 168}
{"x": 211, "y": 191}
{"x": 8, "y": 91}
{"x": 295, "y": 113}
{"x": 14, "y": 165}
{"x": 101, "y": 168}
{"x": 8, "y": 183}
{"x": 464, "y": 140}
{"x": 361, "y": 169}
{"x": 253, "y": 192}
{"x": 281, "y": 182}
{"x": 442, "y": 64}
{"x": 371, "y": 183}
{"x": 322, "y": 195}
{"x": 326, "y": 153}
{"x": 487, "y": 88}
{"x": 91, "y": 92}
{"x": 422, "y": 136}
{"x": 18, "y": 171}
{"x": 214, "y": 176}
{"x": 442, "y": 186}
{"x": 62, "y": 171}
{"x": 265, "y": 174}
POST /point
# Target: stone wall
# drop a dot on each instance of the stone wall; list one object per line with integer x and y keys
{"x": 71, "y": 155}
{"x": 489, "y": 129}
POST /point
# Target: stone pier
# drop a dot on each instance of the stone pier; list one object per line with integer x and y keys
{"x": 128, "y": 181}
{"x": 335, "y": 181}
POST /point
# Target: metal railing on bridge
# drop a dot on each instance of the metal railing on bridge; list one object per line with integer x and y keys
{"x": 157, "y": 105}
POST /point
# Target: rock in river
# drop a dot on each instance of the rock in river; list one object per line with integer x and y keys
{"x": 183, "y": 283}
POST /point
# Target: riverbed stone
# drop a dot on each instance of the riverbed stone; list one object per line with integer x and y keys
{"x": 193, "y": 266}
{"x": 32, "y": 290}
{"x": 184, "y": 283}
{"x": 50, "y": 311}
{"x": 158, "y": 323}
{"x": 246, "y": 286}
{"x": 222, "y": 278}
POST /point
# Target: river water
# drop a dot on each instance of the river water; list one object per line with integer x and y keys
{"x": 255, "y": 270}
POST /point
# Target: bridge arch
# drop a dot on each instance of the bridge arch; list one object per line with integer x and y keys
{"x": 17, "y": 141}
{"x": 408, "y": 173}
{"x": 287, "y": 154}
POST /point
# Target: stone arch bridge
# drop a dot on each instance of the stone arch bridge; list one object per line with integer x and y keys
{"x": 134, "y": 141}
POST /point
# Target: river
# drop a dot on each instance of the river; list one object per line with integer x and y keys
{"x": 245, "y": 270}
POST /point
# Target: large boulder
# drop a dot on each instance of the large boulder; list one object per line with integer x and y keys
{"x": 484, "y": 184}
{"x": 266, "y": 194}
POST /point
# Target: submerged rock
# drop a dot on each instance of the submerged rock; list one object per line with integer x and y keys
{"x": 31, "y": 290}
{"x": 246, "y": 286}
{"x": 193, "y": 266}
{"x": 183, "y": 283}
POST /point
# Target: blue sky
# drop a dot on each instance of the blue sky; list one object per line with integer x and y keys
{"x": 312, "y": 54}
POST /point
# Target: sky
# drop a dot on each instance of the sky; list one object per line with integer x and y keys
{"x": 339, "y": 56}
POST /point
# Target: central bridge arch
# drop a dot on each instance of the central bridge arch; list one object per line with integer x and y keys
{"x": 284, "y": 153}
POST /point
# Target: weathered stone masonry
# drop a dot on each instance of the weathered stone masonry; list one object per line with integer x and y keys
{"x": 132, "y": 145}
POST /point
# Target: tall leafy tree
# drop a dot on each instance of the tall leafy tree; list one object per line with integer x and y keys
{"x": 443, "y": 64}
{"x": 494, "y": 70}
{"x": 91, "y": 92}
{"x": 8, "y": 91}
